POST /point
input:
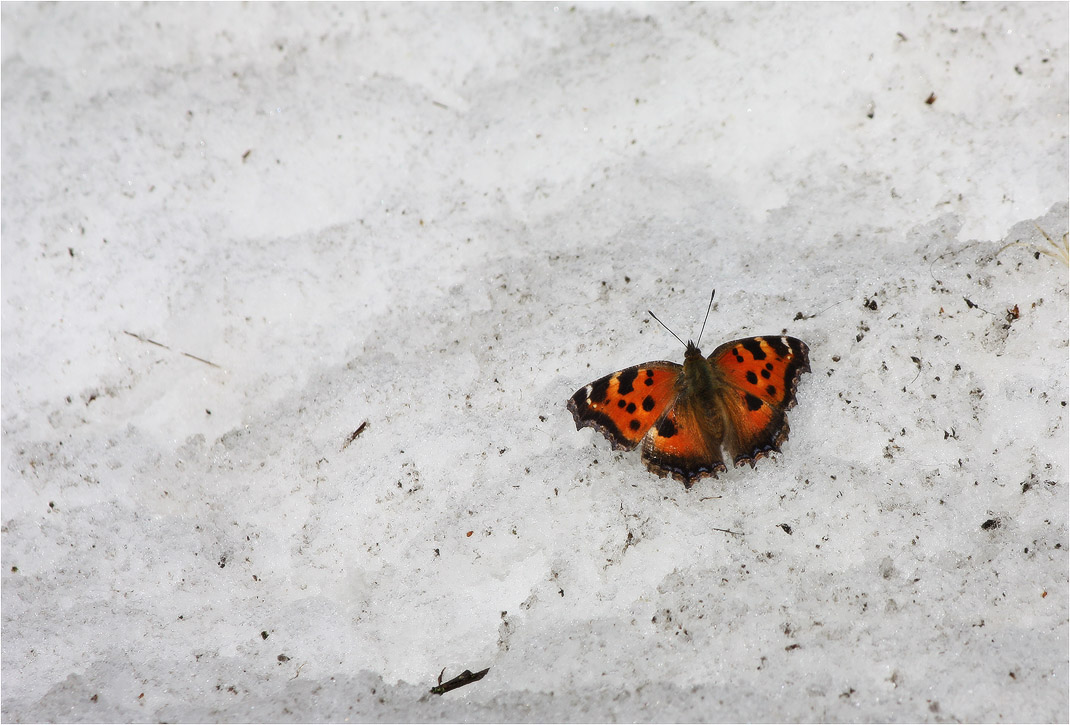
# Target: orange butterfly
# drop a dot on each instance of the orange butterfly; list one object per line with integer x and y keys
{"x": 736, "y": 400}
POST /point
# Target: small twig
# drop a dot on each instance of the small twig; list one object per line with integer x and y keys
{"x": 465, "y": 678}
{"x": 917, "y": 361}
{"x": 201, "y": 359}
{"x": 142, "y": 338}
{"x": 352, "y": 437}
{"x": 937, "y": 259}
{"x": 1061, "y": 253}
{"x": 971, "y": 304}
{"x": 728, "y": 531}
{"x": 145, "y": 339}
{"x": 801, "y": 316}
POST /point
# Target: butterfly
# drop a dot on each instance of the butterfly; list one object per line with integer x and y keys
{"x": 689, "y": 417}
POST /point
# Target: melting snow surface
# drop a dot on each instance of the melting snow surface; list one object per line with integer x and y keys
{"x": 234, "y": 235}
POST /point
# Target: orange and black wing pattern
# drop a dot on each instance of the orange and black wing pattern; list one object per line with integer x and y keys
{"x": 626, "y": 404}
{"x": 759, "y": 377}
{"x": 684, "y": 443}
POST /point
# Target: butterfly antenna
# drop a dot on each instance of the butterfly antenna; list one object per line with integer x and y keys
{"x": 666, "y": 327}
{"x": 705, "y": 318}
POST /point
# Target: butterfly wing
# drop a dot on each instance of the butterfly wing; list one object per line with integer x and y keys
{"x": 758, "y": 377}
{"x": 684, "y": 443}
{"x": 624, "y": 405}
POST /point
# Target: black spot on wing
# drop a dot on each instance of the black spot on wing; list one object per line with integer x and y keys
{"x": 752, "y": 378}
{"x": 771, "y": 389}
{"x": 634, "y": 425}
{"x": 648, "y": 404}
{"x": 754, "y": 347}
{"x": 753, "y": 403}
{"x": 631, "y": 407}
{"x": 666, "y": 428}
{"x": 765, "y": 373}
{"x": 626, "y": 380}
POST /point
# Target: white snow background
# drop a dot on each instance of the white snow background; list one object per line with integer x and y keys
{"x": 442, "y": 220}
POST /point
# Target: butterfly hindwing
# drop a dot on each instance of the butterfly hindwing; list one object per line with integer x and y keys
{"x": 625, "y": 405}
{"x": 761, "y": 375}
{"x": 684, "y": 444}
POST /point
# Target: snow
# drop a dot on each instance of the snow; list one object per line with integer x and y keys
{"x": 441, "y": 220}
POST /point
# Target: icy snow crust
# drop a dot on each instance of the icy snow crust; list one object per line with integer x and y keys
{"x": 442, "y": 220}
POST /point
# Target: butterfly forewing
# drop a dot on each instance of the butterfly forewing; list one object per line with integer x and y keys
{"x": 625, "y": 404}
{"x": 765, "y": 367}
{"x": 762, "y": 374}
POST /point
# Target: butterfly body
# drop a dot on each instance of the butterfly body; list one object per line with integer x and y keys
{"x": 689, "y": 416}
